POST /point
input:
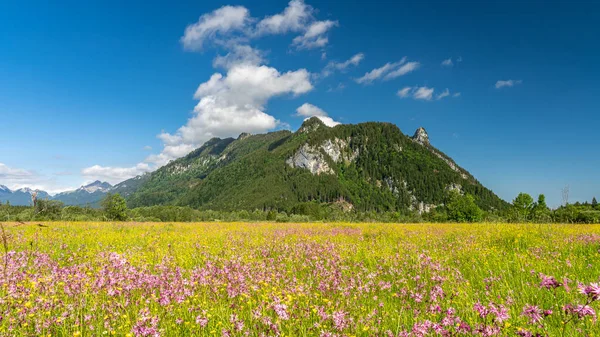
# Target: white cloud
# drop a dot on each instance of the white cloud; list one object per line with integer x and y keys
{"x": 10, "y": 173}
{"x": 231, "y": 104}
{"x": 297, "y": 17}
{"x": 378, "y": 72}
{"x": 404, "y": 92}
{"x": 308, "y": 110}
{"x": 294, "y": 18}
{"x": 390, "y": 70}
{"x": 235, "y": 102}
{"x": 314, "y": 35}
{"x": 16, "y": 178}
{"x": 114, "y": 174}
{"x": 342, "y": 66}
{"x": 327, "y": 121}
{"x": 240, "y": 54}
{"x": 423, "y": 93}
{"x": 403, "y": 70}
{"x": 230, "y": 26}
{"x": 447, "y": 63}
{"x": 507, "y": 83}
{"x": 443, "y": 94}
{"x": 147, "y": 148}
{"x": 222, "y": 21}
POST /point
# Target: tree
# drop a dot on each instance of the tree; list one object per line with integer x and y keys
{"x": 47, "y": 209}
{"x": 462, "y": 208}
{"x": 114, "y": 207}
{"x": 522, "y": 205}
{"x": 594, "y": 203}
{"x": 540, "y": 209}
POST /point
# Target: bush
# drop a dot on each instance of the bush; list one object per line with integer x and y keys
{"x": 462, "y": 208}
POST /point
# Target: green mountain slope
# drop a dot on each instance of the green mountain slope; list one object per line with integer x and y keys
{"x": 372, "y": 166}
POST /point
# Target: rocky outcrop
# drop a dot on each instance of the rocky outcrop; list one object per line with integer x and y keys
{"x": 454, "y": 187}
{"x": 243, "y": 135}
{"x": 453, "y": 166}
{"x": 337, "y": 149}
{"x": 310, "y": 159}
{"x": 421, "y": 136}
{"x": 424, "y": 208}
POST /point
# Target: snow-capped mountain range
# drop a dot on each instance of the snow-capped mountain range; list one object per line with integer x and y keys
{"x": 89, "y": 194}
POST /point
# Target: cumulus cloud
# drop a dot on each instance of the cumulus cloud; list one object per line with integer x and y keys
{"x": 232, "y": 27}
{"x": 114, "y": 174}
{"x": 314, "y": 37}
{"x": 239, "y": 54}
{"x": 293, "y": 19}
{"x": 507, "y": 83}
{"x": 220, "y": 22}
{"x": 342, "y": 66}
{"x": 235, "y": 102}
{"x": 424, "y": 93}
{"x": 308, "y": 110}
{"x": 231, "y": 104}
{"x": 389, "y": 71}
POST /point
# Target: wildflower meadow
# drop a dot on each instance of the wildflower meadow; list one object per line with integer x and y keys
{"x": 272, "y": 279}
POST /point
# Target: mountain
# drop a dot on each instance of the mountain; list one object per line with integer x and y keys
{"x": 21, "y": 197}
{"x": 127, "y": 187}
{"x": 369, "y": 166}
{"x": 90, "y": 194}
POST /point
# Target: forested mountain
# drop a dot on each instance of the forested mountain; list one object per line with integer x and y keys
{"x": 368, "y": 167}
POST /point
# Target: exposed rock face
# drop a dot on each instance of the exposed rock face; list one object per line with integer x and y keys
{"x": 425, "y": 208}
{"x": 310, "y": 159}
{"x": 421, "y": 136}
{"x": 244, "y": 135}
{"x": 336, "y": 149}
{"x": 454, "y": 187}
{"x": 452, "y": 165}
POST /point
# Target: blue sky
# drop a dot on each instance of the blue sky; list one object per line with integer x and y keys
{"x": 86, "y": 88}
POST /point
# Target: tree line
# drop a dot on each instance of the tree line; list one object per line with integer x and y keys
{"x": 456, "y": 208}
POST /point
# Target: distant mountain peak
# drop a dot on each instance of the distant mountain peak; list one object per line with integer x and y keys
{"x": 25, "y": 190}
{"x": 97, "y": 185}
{"x": 4, "y": 188}
{"x": 421, "y": 136}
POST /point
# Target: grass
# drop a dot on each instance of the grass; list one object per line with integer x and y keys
{"x": 271, "y": 279}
